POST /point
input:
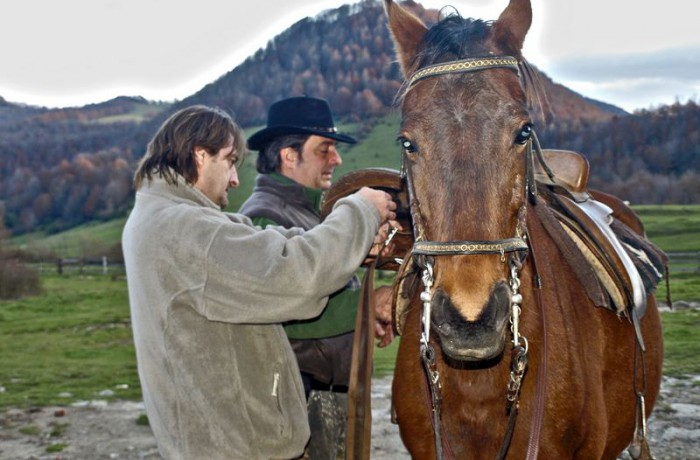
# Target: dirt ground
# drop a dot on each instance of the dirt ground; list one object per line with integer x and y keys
{"x": 96, "y": 430}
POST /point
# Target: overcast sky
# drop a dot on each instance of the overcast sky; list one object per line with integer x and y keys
{"x": 636, "y": 54}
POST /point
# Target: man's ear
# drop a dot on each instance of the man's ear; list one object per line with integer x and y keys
{"x": 289, "y": 157}
{"x": 199, "y": 154}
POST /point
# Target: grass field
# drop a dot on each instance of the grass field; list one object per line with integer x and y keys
{"x": 674, "y": 228}
{"x": 88, "y": 240}
{"x": 74, "y": 343}
{"x": 68, "y": 344}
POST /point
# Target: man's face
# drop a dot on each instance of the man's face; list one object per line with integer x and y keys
{"x": 216, "y": 174}
{"x": 316, "y": 162}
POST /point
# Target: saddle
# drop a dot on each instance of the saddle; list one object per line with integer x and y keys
{"x": 564, "y": 169}
{"x": 599, "y": 235}
{"x": 604, "y": 230}
{"x": 390, "y": 181}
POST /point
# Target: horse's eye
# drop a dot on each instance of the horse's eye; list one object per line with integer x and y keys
{"x": 524, "y": 134}
{"x": 407, "y": 145}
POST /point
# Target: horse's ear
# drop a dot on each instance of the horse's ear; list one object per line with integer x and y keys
{"x": 512, "y": 26}
{"x": 407, "y": 31}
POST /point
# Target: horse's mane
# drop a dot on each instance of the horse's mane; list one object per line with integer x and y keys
{"x": 455, "y": 37}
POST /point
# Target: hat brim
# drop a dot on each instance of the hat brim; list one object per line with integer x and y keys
{"x": 258, "y": 140}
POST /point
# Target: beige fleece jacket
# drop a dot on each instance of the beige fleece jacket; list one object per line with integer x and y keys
{"x": 208, "y": 291}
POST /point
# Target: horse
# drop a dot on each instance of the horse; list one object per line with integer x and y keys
{"x": 502, "y": 354}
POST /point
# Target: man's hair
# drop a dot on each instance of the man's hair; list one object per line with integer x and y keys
{"x": 269, "y": 157}
{"x": 171, "y": 151}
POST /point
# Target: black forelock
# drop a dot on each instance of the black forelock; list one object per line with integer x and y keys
{"x": 454, "y": 37}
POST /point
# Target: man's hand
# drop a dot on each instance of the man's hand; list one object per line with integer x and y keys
{"x": 383, "y": 330}
{"x": 380, "y": 241}
{"x": 382, "y": 201}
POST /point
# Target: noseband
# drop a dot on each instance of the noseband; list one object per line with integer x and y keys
{"x": 517, "y": 246}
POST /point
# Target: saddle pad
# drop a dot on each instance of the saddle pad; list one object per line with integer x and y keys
{"x": 588, "y": 278}
{"x": 600, "y": 241}
{"x": 612, "y": 285}
{"x": 633, "y": 263}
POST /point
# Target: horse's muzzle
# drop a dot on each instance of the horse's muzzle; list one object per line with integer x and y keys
{"x": 477, "y": 340}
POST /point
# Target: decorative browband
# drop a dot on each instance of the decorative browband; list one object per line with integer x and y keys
{"x": 433, "y": 248}
{"x": 464, "y": 65}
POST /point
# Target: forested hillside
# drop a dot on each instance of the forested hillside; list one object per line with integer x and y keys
{"x": 62, "y": 167}
{"x": 347, "y": 56}
{"x": 647, "y": 157}
{"x": 59, "y": 168}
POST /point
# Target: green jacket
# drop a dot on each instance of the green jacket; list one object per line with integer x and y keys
{"x": 219, "y": 378}
{"x": 278, "y": 200}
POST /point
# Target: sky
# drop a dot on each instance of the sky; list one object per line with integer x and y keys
{"x": 636, "y": 54}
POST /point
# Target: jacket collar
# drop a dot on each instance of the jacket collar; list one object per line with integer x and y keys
{"x": 180, "y": 191}
{"x": 293, "y": 190}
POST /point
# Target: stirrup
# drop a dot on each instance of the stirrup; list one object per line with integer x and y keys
{"x": 639, "y": 447}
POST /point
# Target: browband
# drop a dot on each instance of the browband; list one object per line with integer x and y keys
{"x": 464, "y": 65}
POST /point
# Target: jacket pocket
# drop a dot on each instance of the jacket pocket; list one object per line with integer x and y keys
{"x": 279, "y": 394}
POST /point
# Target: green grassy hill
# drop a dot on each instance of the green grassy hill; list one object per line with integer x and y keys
{"x": 89, "y": 240}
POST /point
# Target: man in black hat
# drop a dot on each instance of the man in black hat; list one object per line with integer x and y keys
{"x": 296, "y": 160}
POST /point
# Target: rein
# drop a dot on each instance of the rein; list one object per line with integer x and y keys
{"x": 424, "y": 251}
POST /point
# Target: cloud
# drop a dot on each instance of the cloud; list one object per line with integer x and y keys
{"x": 633, "y": 80}
{"x": 680, "y": 64}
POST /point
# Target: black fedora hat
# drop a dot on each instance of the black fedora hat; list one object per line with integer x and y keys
{"x": 298, "y": 115}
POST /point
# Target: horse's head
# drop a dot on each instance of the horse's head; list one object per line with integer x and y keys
{"x": 465, "y": 131}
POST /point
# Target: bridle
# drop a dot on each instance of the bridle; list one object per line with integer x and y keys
{"x": 423, "y": 248}
{"x": 424, "y": 251}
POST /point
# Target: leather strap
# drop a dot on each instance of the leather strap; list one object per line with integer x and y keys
{"x": 359, "y": 426}
{"x": 533, "y": 445}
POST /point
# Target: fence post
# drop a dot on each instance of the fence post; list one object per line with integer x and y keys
{"x": 59, "y": 266}
{"x": 104, "y": 265}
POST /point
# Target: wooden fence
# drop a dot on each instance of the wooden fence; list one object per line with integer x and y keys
{"x": 684, "y": 262}
{"x": 83, "y": 266}
{"x": 678, "y": 262}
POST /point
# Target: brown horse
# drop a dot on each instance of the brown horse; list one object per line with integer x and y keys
{"x": 498, "y": 299}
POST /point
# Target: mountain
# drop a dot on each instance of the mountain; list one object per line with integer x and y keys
{"x": 347, "y": 56}
{"x": 10, "y": 112}
{"x": 121, "y": 108}
{"x": 62, "y": 167}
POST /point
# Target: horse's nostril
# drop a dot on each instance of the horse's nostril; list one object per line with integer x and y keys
{"x": 445, "y": 329}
